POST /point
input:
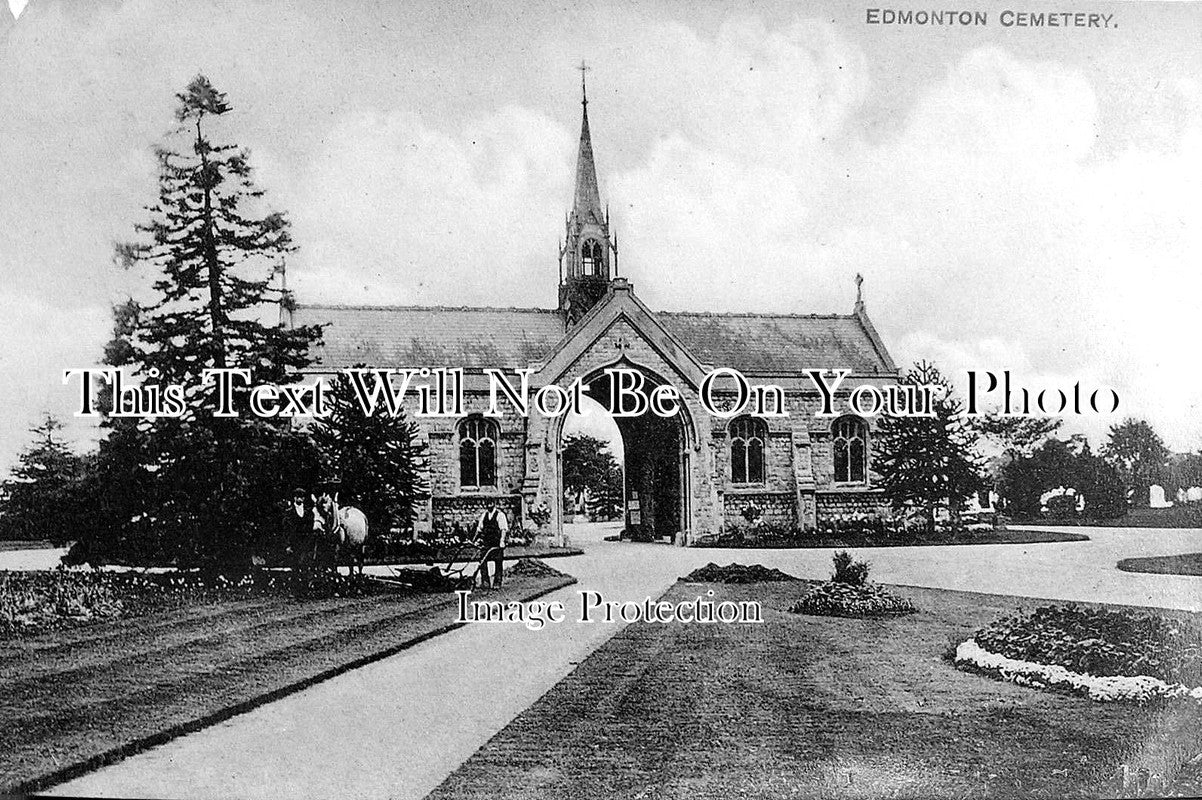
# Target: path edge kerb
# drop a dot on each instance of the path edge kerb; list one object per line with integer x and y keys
{"x": 123, "y": 751}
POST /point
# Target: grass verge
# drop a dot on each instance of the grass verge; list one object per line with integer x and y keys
{"x": 806, "y": 706}
{"x": 77, "y": 699}
{"x": 1184, "y": 564}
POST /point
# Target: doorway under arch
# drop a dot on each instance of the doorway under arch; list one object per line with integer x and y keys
{"x": 655, "y": 458}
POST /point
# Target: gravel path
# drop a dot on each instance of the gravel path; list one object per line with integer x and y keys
{"x": 397, "y": 728}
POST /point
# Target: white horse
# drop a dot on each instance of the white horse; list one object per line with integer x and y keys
{"x": 347, "y": 525}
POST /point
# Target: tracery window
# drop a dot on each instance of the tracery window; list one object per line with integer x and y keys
{"x": 590, "y": 257}
{"x": 478, "y": 452}
{"x": 747, "y": 437}
{"x": 850, "y": 439}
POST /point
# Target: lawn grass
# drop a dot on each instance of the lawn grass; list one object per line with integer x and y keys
{"x": 817, "y": 541}
{"x": 804, "y": 706}
{"x": 1184, "y": 564}
{"x": 72, "y": 700}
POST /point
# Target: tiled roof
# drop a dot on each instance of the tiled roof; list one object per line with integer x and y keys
{"x": 776, "y": 343}
{"x": 397, "y": 336}
{"x": 432, "y": 336}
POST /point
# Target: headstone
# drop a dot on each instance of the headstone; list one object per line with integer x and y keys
{"x": 1156, "y": 497}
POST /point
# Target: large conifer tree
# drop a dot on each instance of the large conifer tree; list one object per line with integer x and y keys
{"x": 928, "y": 462}
{"x": 214, "y": 481}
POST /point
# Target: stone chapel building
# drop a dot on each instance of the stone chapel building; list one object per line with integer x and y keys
{"x": 687, "y": 476}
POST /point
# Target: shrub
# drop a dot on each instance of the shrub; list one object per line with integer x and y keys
{"x": 540, "y": 513}
{"x": 751, "y": 512}
{"x": 847, "y": 600}
{"x": 852, "y": 573}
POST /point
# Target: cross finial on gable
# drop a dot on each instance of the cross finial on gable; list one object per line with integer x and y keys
{"x": 859, "y": 290}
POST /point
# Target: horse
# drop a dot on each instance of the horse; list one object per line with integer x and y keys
{"x": 346, "y": 525}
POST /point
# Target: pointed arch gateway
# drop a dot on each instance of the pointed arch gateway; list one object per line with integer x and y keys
{"x": 657, "y": 463}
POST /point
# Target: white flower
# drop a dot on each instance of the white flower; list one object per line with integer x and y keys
{"x": 1137, "y": 688}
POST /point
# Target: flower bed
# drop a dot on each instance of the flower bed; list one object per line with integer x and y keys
{"x": 838, "y": 599}
{"x": 33, "y": 602}
{"x": 1100, "y": 641}
{"x": 1131, "y": 688}
{"x": 1106, "y": 654}
{"x": 735, "y": 573}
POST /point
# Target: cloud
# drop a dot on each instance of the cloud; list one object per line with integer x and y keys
{"x": 396, "y": 209}
{"x": 41, "y": 340}
{"x": 987, "y": 217}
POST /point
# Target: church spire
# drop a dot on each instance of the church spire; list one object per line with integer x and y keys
{"x": 587, "y": 205}
{"x": 585, "y": 256}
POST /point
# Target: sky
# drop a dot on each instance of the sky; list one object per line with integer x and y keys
{"x": 1022, "y": 199}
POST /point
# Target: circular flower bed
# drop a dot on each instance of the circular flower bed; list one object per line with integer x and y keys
{"x": 837, "y": 599}
{"x": 1105, "y": 654}
{"x": 1131, "y": 688}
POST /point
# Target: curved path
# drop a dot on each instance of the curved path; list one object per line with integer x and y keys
{"x": 396, "y": 728}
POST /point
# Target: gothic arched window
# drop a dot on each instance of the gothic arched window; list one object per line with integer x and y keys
{"x": 590, "y": 257}
{"x": 478, "y": 452}
{"x": 851, "y": 450}
{"x": 747, "y": 437}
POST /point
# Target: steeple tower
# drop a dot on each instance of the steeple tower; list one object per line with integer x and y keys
{"x": 584, "y": 257}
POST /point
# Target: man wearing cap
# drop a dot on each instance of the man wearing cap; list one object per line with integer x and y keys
{"x": 492, "y": 531}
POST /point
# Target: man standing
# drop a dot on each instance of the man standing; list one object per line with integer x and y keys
{"x": 297, "y": 528}
{"x": 492, "y": 531}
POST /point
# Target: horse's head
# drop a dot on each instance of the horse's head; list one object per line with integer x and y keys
{"x": 324, "y": 511}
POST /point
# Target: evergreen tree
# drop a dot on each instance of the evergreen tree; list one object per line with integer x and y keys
{"x": 607, "y": 503}
{"x": 585, "y": 459}
{"x": 213, "y": 484}
{"x": 928, "y": 462}
{"x": 591, "y": 472}
{"x": 120, "y": 481}
{"x": 1102, "y": 485}
{"x": 378, "y": 460}
{"x": 1139, "y": 455}
{"x": 44, "y": 498}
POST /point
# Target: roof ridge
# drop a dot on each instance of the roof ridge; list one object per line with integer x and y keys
{"x": 400, "y": 307}
{"x": 756, "y": 314}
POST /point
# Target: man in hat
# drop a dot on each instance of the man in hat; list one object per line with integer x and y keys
{"x": 297, "y": 527}
{"x": 492, "y": 531}
{"x": 325, "y": 548}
